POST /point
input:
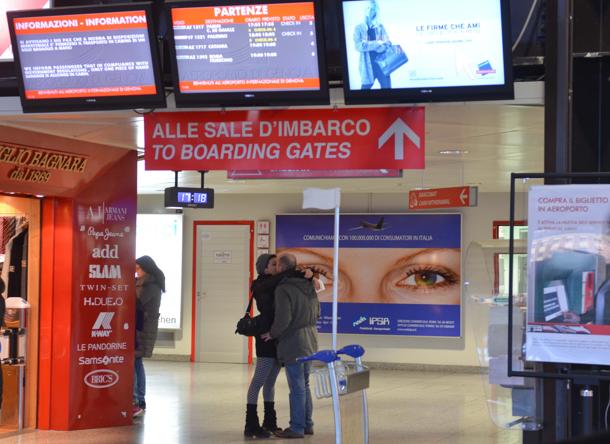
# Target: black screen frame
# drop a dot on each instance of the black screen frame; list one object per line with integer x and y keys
{"x": 504, "y": 91}
{"x": 91, "y": 103}
{"x": 249, "y": 98}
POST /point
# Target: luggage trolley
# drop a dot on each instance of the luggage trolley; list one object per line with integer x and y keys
{"x": 341, "y": 378}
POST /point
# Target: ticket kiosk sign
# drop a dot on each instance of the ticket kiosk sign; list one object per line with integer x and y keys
{"x": 314, "y": 139}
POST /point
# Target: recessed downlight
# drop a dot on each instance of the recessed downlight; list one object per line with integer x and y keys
{"x": 453, "y": 152}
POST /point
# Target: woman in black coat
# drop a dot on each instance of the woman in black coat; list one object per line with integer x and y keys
{"x": 150, "y": 284}
{"x": 267, "y": 366}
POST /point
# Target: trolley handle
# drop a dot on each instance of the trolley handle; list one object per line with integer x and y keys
{"x": 326, "y": 356}
{"x": 354, "y": 350}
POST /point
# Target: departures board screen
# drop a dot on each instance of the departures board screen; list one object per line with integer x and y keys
{"x": 244, "y": 53}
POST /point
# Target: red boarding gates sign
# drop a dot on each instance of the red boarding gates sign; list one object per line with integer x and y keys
{"x": 315, "y": 139}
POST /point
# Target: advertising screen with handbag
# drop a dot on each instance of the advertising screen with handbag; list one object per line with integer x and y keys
{"x": 420, "y": 51}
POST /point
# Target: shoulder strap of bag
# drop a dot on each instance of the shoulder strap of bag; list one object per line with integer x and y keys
{"x": 249, "y": 307}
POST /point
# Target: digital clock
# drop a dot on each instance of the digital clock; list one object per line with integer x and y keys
{"x": 181, "y": 197}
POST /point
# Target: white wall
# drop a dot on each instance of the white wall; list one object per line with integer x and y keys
{"x": 477, "y": 225}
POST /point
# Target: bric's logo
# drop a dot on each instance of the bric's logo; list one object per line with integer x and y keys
{"x": 102, "y": 378}
{"x": 101, "y": 327}
{"x": 359, "y": 321}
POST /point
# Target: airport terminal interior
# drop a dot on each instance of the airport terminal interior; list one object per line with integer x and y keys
{"x": 440, "y": 169}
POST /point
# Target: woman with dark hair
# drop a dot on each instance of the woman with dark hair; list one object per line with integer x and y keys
{"x": 267, "y": 366}
{"x": 150, "y": 283}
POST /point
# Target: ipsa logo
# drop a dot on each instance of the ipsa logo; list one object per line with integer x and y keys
{"x": 379, "y": 321}
{"x": 101, "y": 378}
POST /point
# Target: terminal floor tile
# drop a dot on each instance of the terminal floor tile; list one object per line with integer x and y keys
{"x": 205, "y": 403}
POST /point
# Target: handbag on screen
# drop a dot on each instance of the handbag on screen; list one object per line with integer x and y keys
{"x": 247, "y": 325}
{"x": 391, "y": 59}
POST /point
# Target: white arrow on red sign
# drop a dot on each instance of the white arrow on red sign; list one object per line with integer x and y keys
{"x": 443, "y": 198}
{"x": 464, "y": 196}
{"x": 398, "y": 129}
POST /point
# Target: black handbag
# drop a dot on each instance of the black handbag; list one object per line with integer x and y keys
{"x": 391, "y": 59}
{"x": 248, "y": 325}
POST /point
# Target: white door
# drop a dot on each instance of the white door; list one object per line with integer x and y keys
{"x": 222, "y": 291}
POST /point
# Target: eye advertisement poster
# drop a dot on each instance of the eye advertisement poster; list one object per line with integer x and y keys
{"x": 399, "y": 274}
{"x": 568, "y": 255}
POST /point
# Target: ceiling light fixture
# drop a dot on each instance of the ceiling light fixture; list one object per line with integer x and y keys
{"x": 453, "y": 152}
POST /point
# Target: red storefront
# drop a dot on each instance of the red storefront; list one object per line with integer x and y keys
{"x": 74, "y": 203}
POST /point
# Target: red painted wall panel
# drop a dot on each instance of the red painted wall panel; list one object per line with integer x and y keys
{"x": 88, "y": 303}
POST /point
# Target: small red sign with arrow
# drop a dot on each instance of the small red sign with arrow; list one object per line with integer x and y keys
{"x": 443, "y": 198}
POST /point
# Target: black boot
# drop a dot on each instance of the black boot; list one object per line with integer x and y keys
{"x": 253, "y": 428}
{"x": 270, "y": 420}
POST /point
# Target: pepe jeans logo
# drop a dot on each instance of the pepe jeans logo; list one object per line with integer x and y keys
{"x": 104, "y": 234}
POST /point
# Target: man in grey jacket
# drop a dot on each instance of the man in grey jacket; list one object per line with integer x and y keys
{"x": 297, "y": 310}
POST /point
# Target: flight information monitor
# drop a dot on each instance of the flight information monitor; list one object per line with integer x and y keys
{"x": 247, "y": 54}
{"x": 86, "y": 58}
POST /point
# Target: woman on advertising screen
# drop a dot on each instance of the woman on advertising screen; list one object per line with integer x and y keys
{"x": 387, "y": 275}
{"x": 371, "y": 40}
{"x": 150, "y": 283}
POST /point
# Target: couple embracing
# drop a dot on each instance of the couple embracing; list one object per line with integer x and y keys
{"x": 289, "y": 309}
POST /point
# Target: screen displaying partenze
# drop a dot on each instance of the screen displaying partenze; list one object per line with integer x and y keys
{"x": 262, "y": 47}
{"x": 85, "y": 55}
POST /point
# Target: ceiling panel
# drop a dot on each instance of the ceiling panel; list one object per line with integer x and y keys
{"x": 499, "y": 138}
